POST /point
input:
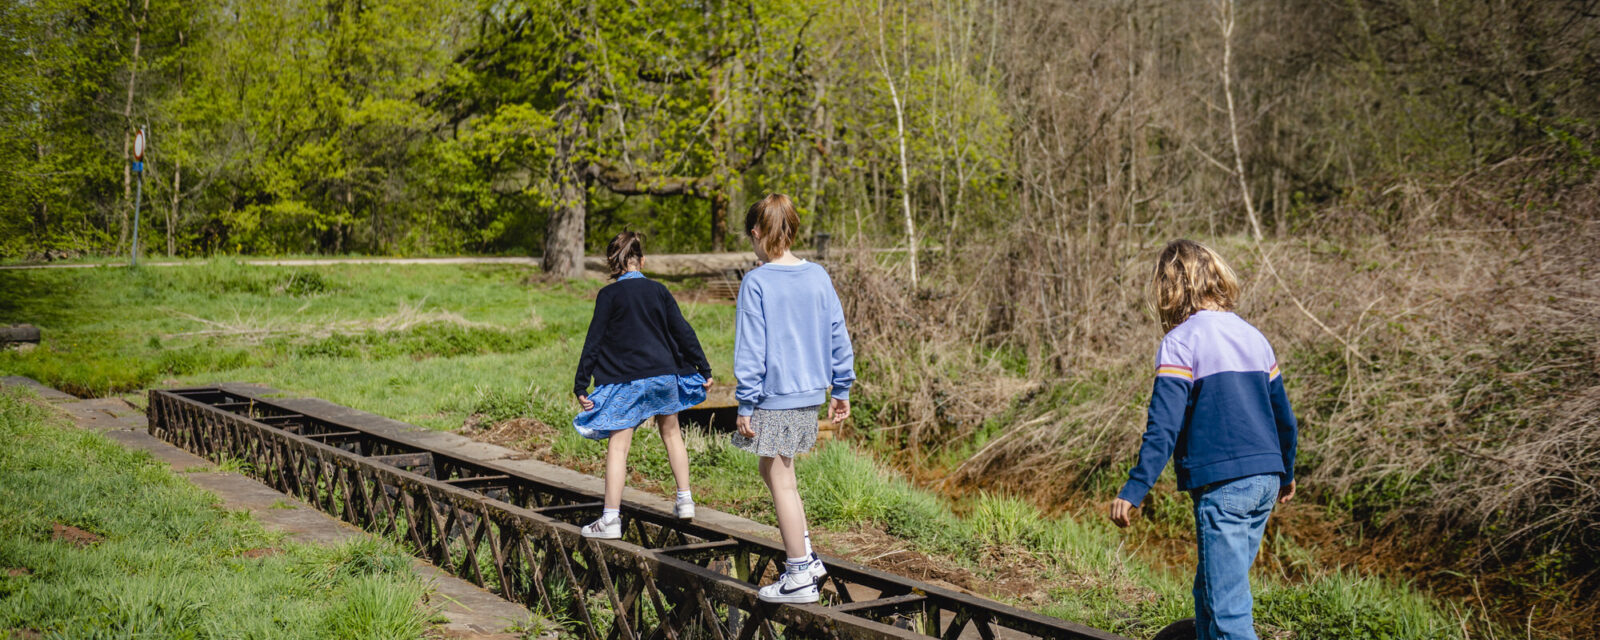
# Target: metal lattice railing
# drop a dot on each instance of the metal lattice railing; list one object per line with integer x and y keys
{"x": 517, "y": 535}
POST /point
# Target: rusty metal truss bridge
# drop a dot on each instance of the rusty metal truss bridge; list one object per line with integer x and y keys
{"x": 517, "y": 535}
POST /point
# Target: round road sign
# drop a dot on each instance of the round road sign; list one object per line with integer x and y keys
{"x": 138, "y": 145}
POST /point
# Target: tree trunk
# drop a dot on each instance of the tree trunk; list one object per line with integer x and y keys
{"x": 563, "y": 233}
{"x": 570, "y": 173}
{"x": 177, "y": 169}
{"x": 42, "y": 222}
{"x": 1233, "y": 122}
{"x": 177, "y": 194}
{"x": 819, "y": 125}
{"x": 900, "y": 134}
{"x": 127, "y": 131}
{"x": 719, "y": 219}
{"x": 719, "y": 167}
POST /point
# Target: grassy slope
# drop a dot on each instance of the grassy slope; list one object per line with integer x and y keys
{"x": 103, "y": 332}
{"x": 1077, "y": 568}
{"x": 170, "y": 563}
{"x": 424, "y": 344}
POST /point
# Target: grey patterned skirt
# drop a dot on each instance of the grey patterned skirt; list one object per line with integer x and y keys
{"x": 782, "y": 432}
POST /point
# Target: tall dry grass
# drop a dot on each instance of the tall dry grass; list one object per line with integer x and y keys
{"x": 1447, "y": 388}
{"x": 1425, "y": 180}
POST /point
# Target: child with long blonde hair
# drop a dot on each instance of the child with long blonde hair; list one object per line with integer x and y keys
{"x": 1219, "y": 404}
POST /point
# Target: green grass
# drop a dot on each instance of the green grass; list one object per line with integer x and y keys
{"x": 170, "y": 563}
{"x": 503, "y": 345}
{"x": 1081, "y": 562}
{"x": 427, "y": 344}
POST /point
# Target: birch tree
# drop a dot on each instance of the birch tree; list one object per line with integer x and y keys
{"x": 881, "y": 56}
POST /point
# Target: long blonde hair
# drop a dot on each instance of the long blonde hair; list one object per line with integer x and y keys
{"x": 1188, "y": 277}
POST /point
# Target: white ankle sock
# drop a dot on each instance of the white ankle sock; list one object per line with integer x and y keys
{"x": 809, "y": 552}
{"x": 608, "y": 514}
{"x": 685, "y": 495}
{"x": 798, "y": 565}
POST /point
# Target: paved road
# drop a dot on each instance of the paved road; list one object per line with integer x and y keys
{"x": 667, "y": 264}
{"x": 293, "y": 262}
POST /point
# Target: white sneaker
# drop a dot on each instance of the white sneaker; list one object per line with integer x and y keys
{"x": 817, "y": 571}
{"x": 685, "y": 508}
{"x": 603, "y": 529}
{"x": 793, "y": 588}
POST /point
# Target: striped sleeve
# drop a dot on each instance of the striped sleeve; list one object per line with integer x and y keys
{"x": 1283, "y": 415}
{"x": 1174, "y": 360}
{"x": 1168, "y": 396}
{"x": 1174, "y": 371}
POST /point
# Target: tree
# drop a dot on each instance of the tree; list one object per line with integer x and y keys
{"x": 637, "y": 101}
{"x": 62, "y": 103}
{"x": 305, "y": 116}
{"x": 724, "y": 102}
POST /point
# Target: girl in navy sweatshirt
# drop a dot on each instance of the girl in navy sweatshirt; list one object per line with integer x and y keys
{"x": 646, "y": 362}
{"x": 791, "y": 353}
{"x": 1219, "y": 405}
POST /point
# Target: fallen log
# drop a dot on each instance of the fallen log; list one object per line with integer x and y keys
{"x": 19, "y": 333}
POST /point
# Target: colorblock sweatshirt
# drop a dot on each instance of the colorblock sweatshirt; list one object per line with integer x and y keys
{"x": 637, "y": 332}
{"x": 1218, "y": 404}
{"x": 791, "y": 346}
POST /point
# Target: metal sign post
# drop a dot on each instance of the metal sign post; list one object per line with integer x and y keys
{"x": 138, "y": 169}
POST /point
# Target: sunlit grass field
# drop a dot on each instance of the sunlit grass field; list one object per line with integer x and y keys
{"x": 159, "y": 559}
{"x": 428, "y": 344}
{"x": 436, "y": 344}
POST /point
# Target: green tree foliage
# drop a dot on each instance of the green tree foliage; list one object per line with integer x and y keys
{"x": 306, "y": 127}
{"x": 615, "y": 100}
{"x": 64, "y": 69}
{"x": 543, "y": 127}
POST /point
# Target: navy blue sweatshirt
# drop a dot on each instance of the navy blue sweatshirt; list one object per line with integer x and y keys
{"x": 1218, "y": 404}
{"x": 637, "y": 332}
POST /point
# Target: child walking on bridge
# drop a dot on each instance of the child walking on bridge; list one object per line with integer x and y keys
{"x": 791, "y": 348}
{"x": 1220, "y": 402}
{"x": 646, "y": 362}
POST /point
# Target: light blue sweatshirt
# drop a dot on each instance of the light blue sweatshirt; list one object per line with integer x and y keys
{"x": 791, "y": 345}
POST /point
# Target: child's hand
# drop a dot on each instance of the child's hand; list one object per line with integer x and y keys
{"x": 841, "y": 410}
{"x": 585, "y": 402}
{"x": 743, "y": 423}
{"x": 1285, "y": 494}
{"x": 708, "y": 383}
{"x": 1121, "y": 511}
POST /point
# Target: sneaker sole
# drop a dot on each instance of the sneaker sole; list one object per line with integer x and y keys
{"x": 686, "y": 514}
{"x": 602, "y": 536}
{"x": 794, "y": 599}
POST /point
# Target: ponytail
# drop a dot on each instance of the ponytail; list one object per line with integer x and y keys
{"x": 774, "y": 215}
{"x": 624, "y": 251}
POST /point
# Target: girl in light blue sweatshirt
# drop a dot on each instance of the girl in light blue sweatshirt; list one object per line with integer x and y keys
{"x": 791, "y": 352}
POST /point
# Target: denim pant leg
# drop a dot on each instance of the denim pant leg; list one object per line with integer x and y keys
{"x": 1229, "y": 519}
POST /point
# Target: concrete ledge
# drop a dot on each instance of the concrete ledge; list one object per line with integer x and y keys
{"x": 178, "y": 459}
{"x": 50, "y": 395}
{"x": 465, "y": 447}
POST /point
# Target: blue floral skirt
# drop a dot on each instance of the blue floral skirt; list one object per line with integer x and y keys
{"x": 628, "y": 404}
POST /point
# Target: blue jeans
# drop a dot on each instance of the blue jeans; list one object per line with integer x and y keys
{"x": 1229, "y": 518}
